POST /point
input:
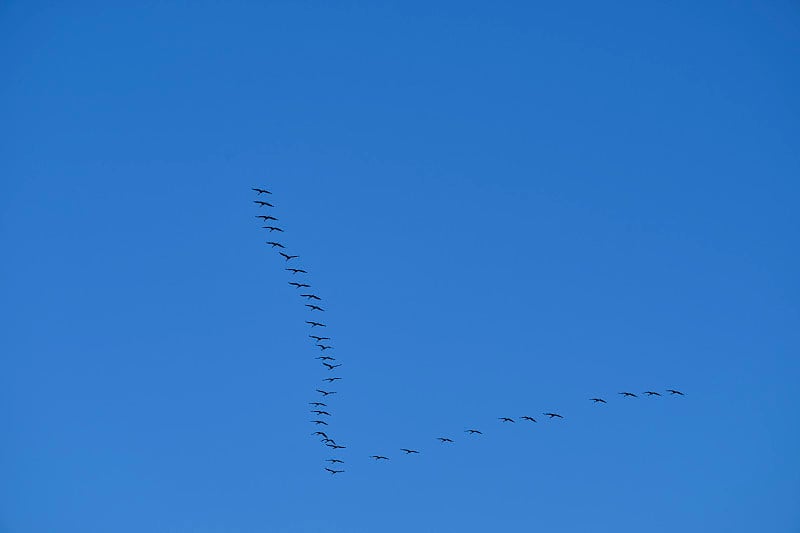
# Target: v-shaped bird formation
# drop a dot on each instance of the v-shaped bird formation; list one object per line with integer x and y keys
{"x": 322, "y": 410}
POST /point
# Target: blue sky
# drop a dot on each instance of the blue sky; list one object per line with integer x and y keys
{"x": 507, "y": 209}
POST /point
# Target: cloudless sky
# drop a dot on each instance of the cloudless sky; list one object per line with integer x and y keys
{"x": 507, "y": 208}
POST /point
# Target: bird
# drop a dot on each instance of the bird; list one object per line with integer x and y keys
{"x": 318, "y": 404}
{"x": 320, "y": 413}
{"x": 630, "y": 394}
{"x": 473, "y": 432}
{"x": 325, "y": 393}
{"x": 326, "y": 358}
{"x": 297, "y": 271}
{"x": 314, "y": 307}
{"x": 311, "y": 296}
{"x": 379, "y": 457}
{"x": 673, "y": 391}
{"x": 272, "y": 228}
{"x": 298, "y": 285}
{"x": 506, "y": 419}
{"x": 330, "y": 366}
{"x": 337, "y": 446}
{"x": 334, "y": 461}
{"x": 528, "y": 418}
{"x": 333, "y": 472}
{"x": 262, "y": 204}
{"x": 597, "y": 400}
{"x": 320, "y": 422}
{"x": 320, "y": 433}
{"x": 553, "y": 415}
{"x": 259, "y": 191}
{"x": 287, "y": 256}
{"x": 323, "y": 347}
{"x": 319, "y": 339}
{"x": 651, "y": 393}
{"x": 275, "y": 244}
{"x": 444, "y": 439}
{"x": 408, "y": 451}
{"x": 266, "y": 217}
{"x": 330, "y": 380}
{"x": 320, "y": 324}
{"x": 327, "y": 440}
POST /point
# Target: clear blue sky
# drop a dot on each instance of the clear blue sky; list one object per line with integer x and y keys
{"x": 507, "y": 209}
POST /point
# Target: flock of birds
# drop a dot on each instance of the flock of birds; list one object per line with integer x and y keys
{"x": 320, "y": 409}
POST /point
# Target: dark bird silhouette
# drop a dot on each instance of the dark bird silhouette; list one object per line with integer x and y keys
{"x": 287, "y": 256}
{"x": 311, "y": 296}
{"x": 320, "y": 422}
{"x": 336, "y": 446}
{"x": 327, "y": 440}
{"x": 259, "y": 191}
{"x": 408, "y": 451}
{"x": 473, "y": 432}
{"x": 530, "y": 418}
{"x": 444, "y": 439}
{"x": 320, "y": 413}
{"x": 317, "y": 404}
{"x": 321, "y": 433}
{"x": 651, "y": 393}
{"x": 673, "y": 391}
{"x": 628, "y": 394}
{"x": 323, "y": 347}
{"x": 266, "y": 217}
{"x": 319, "y": 339}
{"x": 275, "y": 244}
{"x": 272, "y": 228}
{"x": 506, "y": 419}
{"x": 597, "y": 400}
{"x": 331, "y": 380}
{"x": 314, "y": 307}
{"x": 553, "y": 415}
{"x": 325, "y": 393}
{"x": 297, "y": 271}
{"x": 379, "y": 457}
{"x": 334, "y": 461}
{"x": 330, "y": 366}
{"x": 298, "y": 285}
{"x": 326, "y": 358}
{"x": 262, "y": 204}
{"x": 320, "y": 324}
{"x": 333, "y": 472}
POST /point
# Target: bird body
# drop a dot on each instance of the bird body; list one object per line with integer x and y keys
{"x": 553, "y": 415}
{"x": 506, "y": 419}
{"x": 530, "y": 418}
{"x": 673, "y": 391}
{"x": 320, "y": 324}
{"x": 260, "y": 191}
{"x": 628, "y": 394}
{"x": 379, "y": 457}
{"x": 444, "y": 439}
{"x": 408, "y": 451}
{"x": 597, "y": 400}
{"x": 473, "y": 432}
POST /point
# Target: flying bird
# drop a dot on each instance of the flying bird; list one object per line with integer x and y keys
{"x": 325, "y": 393}
{"x": 330, "y": 366}
{"x": 506, "y": 419}
{"x": 598, "y": 400}
{"x": 314, "y": 307}
{"x": 320, "y": 422}
{"x": 408, "y": 451}
{"x": 272, "y": 228}
{"x": 259, "y": 191}
{"x": 320, "y": 413}
{"x": 651, "y": 393}
{"x": 473, "y": 432}
{"x": 379, "y": 457}
{"x": 528, "y": 418}
{"x": 320, "y": 324}
{"x": 444, "y": 439}
{"x": 334, "y": 461}
{"x": 297, "y": 271}
{"x": 298, "y": 285}
{"x": 333, "y": 472}
{"x": 628, "y": 394}
{"x": 275, "y": 244}
{"x": 325, "y": 358}
{"x": 319, "y": 339}
{"x": 553, "y": 415}
{"x": 287, "y": 256}
{"x": 321, "y": 433}
{"x": 673, "y": 391}
{"x": 327, "y": 440}
{"x": 266, "y": 217}
{"x": 336, "y": 446}
{"x": 331, "y": 380}
{"x": 323, "y": 347}
{"x": 262, "y": 204}
{"x": 317, "y": 404}
{"x": 311, "y": 296}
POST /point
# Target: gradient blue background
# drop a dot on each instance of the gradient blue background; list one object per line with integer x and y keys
{"x": 508, "y": 208}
